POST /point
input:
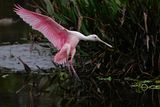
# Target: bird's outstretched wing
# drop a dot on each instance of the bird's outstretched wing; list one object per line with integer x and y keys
{"x": 53, "y": 31}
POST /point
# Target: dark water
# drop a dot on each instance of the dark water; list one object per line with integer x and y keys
{"x": 13, "y": 30}
{"x": 16, "y": 91}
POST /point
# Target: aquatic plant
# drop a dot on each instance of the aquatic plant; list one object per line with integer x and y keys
{"x": 133, "y": 28}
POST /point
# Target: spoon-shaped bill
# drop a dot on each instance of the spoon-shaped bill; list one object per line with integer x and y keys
{"x": 106, "y": 43}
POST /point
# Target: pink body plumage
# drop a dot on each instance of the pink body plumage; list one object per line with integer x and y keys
{"x": 63, "y": 39}
{"x": 55, "y": 33}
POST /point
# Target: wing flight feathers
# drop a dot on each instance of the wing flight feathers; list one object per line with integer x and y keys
{"x": 53, "y": 31}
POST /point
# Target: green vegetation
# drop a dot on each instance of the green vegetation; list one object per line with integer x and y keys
{"x": 133, "y": 28}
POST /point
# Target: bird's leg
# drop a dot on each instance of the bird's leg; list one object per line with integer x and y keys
{"x": 67, "y": 59}
{"x": 69, "y": 68}
{"x": 74, "y": 72}
{"x": 71, "y": 64}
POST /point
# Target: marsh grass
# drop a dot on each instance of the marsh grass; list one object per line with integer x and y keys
{"x": 133, "y": 28}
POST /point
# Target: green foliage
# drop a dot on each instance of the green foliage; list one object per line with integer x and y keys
{"x": 133, "y": 28}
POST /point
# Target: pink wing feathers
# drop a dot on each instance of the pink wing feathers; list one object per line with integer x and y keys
{"x": 53, "y": 31}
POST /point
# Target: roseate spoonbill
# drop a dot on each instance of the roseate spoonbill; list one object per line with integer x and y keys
{"x": 63, "y": 39}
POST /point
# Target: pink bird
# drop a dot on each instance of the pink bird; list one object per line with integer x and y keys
{"x": 63, "y": 39}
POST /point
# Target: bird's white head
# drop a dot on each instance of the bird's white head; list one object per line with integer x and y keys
{"x": 94, "y": 37}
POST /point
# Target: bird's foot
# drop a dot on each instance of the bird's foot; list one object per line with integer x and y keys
{"x": 77, "y": 77}
{"x": 71, "y": 70}
{"x": 75, "y": 74}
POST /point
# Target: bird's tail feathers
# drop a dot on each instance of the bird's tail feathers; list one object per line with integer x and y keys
{"x": 60, "y": 57}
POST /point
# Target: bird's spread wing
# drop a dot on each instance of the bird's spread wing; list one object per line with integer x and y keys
{"x": 53, "y": 31}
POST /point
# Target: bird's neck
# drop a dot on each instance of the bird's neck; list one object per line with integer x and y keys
{"x": 87, "y": 38}
{"x": 79, "y": 35}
